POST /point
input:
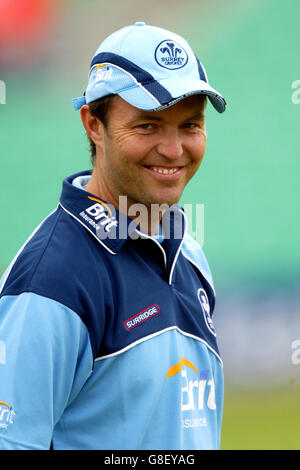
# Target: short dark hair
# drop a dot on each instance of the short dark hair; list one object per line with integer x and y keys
{"x": 99, "y": 108}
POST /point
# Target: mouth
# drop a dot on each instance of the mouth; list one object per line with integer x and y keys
{"x": 163, "y": 171}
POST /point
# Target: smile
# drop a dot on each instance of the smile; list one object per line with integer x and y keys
{"x": 164, "y": 171}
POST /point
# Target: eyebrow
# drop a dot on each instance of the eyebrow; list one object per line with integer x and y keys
{"x": 198, "y": 115}
{"x": 151, "y": 117}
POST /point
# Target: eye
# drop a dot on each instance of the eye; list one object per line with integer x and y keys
{"x": 146, "y": 126}
{"x": 189, "y": 125}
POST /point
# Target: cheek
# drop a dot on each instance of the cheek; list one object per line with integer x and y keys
{"x": 132, "y": 151}
{"x": 197, "y": 150}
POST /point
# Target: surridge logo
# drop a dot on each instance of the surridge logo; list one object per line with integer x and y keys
{"x": 99, "y": 215}
{"x": 170, "y": 55}
{"x": 141, "y": 317}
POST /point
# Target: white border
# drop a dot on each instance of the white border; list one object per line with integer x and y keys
{"x": 153, "y": 335}
{"x": 179, "y": 248}
{"x": 144, "y": 235}
{"x": 87, "y": 228}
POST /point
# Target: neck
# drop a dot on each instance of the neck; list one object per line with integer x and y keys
{"x": 147, "y": 218}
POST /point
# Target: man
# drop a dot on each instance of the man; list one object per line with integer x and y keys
{"x": 106, "y": 310}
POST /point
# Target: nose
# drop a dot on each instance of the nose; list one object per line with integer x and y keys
{"x": 170, "y": 144}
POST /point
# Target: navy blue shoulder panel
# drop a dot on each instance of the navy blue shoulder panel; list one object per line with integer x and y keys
{"x": 59, "y": 262}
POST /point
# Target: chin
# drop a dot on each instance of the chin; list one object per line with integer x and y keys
{"x": 169, "y": 196}
{"x": 162, "y": 201}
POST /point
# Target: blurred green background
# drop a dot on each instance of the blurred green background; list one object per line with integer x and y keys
{"x": 248, "y": 182}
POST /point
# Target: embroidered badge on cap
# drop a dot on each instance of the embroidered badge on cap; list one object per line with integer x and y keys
{"x": 170, "y": 55}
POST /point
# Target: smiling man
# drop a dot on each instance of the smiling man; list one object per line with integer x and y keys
{"x": 106, "y": 315}
{"x": 147, "y": 156}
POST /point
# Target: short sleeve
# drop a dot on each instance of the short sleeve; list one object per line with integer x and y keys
{"x": 46, "y": 358}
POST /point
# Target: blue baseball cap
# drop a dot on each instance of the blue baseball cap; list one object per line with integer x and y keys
{"x": 149, "y": 67}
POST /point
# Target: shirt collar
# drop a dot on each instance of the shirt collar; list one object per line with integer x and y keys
{"x": 109, "y": 226}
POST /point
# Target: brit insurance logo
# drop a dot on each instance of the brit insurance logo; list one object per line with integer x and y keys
{"x": 203, "y": 299}
{"x": 170, "y": 55}
{"x": 102, "y": 73}
{"x": 6, "y": 415}
{"x": 197, "y": 393}
{"x": 100, "y": 217}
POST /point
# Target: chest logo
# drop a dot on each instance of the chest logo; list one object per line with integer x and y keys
{"x": 178, "y": 367}
{"x": 99, "y": 215}
{"x": 141, "y": 317}
{"x": 203, "y": 299}
{"x": 197, "y": 393}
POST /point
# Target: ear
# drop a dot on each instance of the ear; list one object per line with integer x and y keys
{"x": 93, "y": 126}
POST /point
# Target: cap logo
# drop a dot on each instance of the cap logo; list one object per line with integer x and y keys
{"x": 103, "y": 72}
{"x": 170, "y": 55}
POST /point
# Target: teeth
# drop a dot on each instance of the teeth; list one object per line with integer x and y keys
{"x": 165, "y": 171}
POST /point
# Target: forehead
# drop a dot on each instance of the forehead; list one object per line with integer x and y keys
{"x": 188, "y": 107}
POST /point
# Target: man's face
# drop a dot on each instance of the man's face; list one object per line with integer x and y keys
{"x": 150, "y": 156}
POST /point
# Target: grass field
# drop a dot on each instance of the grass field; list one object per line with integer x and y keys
{"x": 262, "y": 419}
